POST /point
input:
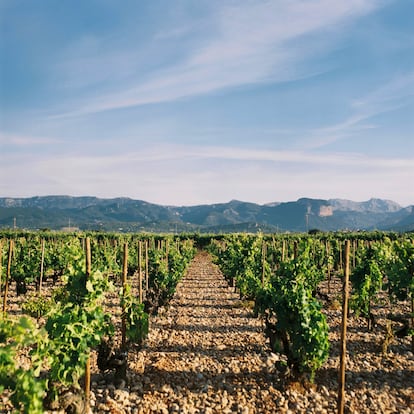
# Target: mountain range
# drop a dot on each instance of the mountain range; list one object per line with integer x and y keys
{"x": 125, "y": 214}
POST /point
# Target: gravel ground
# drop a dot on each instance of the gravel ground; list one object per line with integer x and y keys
{"x": 207, "y": 354}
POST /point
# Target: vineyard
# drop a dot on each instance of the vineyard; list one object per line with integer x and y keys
{"x": 131, "y": 323}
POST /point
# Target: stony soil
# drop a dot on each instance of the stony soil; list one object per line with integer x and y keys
{"x": 206, "y": 353}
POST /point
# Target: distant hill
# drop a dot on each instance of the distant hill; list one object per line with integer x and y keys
{"x": 125, "y": 214}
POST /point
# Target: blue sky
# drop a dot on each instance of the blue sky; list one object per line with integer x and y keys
{"x": 202, "y": 101}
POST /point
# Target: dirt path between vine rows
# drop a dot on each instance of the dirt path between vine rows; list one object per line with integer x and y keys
{"x": 206, "y": 353}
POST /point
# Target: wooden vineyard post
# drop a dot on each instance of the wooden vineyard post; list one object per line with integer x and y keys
{"x": 354, "y": 253}
{"x": 146, "y": 266}
{"x": 124, "y": 282}
{"x": 283, "y": 250}
{"x": 88, "y": 257}
{"x": 88, "y": 362}
{"x": 42, "y": 262}
{"x": 263, "y": 262}
{"x": 140, "y": 271}
{"x": 328, "y": 266}
{"x": 166, "y": 252}
{"x": 6, "y": 285}
{"x": 274, "y": 248}
{"x": 1, "y": 262}
{"x": 341, "y": 388}
{"x": 412, "y": 322}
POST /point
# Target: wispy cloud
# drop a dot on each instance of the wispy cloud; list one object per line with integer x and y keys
{"x": 179, "y": 154}
{"x": 25, "y": 140}
{"x": 252, "y": 43}
{"x": 394, "y": 94}
{"x": 174, "y": 174}
{"x": 262, "y": 141}
{"x": 211, "y": 174}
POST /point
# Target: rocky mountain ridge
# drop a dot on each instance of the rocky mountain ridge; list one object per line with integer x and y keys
{"x": 125, "y": 214}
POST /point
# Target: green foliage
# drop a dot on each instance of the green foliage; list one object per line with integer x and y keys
{"x": 187, "y": 251}
{"x": 83, "y": 289}
{"x": 166, "y": 268}
{"x": 59, "y": 258}
{"x": 107, "y": 254}
{"x": 160, "y": 279}
{"x": 25, "y": 265}
{"x": 60, "y": 255}
{"x": 229, "y": 256}
{"x": 241, "y": 259}
{"x": 37, "y": 306}
{"x": 25, "y": 385}
{"x": 367, "y": 279}
{"x": 137, "y": 321}
{"x": 249, "y": 280}
{"x": 401, "y": 270}
{"x": 73, "y": 330}
{"x": 285, "y": 297}
{"x": 75, "y": 324}
{"x": 288, "y": 300}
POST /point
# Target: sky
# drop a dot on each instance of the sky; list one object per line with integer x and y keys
{"x": 191, "y": 102}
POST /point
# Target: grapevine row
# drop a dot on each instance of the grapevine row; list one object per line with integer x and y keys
{"x": 73, "y": 321}
{"x": 283, "y": 277}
